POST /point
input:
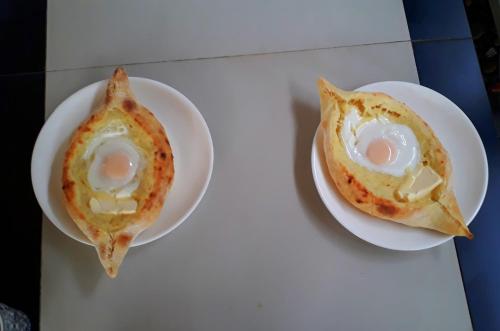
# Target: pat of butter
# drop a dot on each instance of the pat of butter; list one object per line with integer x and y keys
{"x": 127, "y": 191}
{"x": 113, "y": 206}
{"x": 418, "y": 185}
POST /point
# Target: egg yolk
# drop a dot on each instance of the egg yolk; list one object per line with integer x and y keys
{"x": 381, "y": 151}
{"x": 116, "y": 166}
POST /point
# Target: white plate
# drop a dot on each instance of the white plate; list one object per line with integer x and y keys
{"x": 188, "y": 134}
{"x": 466, "y": 151}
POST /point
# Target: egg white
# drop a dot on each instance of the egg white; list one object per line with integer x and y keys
{"x": 358, "y": 134}
{"x": 113, "y": 129}
{"x": 125, "y": 186}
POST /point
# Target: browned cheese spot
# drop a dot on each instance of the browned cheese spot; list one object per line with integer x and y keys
{"x": 337, "y": 98}
{"x": 68, "y": 184}
{"x": 108, "y": 99}
{"x": 124, "y": 240}
{"x": 129, "y": 105}
{"x": 386, "y": 209}
{"x": 102, "y": 250}
{"x": 358, "y": 103}
{"x": 94, "y": 232}
{"x": 393, "y": 113}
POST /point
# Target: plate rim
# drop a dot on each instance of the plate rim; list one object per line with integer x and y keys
{"x": 445, "y": 238}
{"x": 193, "y": 109}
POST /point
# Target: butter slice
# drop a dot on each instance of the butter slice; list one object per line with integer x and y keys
{"x": 113, "y": 206}
{"x": 418, "y": 185}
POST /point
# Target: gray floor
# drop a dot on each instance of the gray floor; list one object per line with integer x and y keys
{"x": 261, "y": 252}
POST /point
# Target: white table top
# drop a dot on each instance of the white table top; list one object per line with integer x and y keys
{"x": 94, "y": 33}
{"x": 260, "y": 252}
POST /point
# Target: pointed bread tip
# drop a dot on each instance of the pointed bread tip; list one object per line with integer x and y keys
{"x": 112, "y": 248}
{"x": 469, "y": 235}
{"x": 463, "y": 230}
{"x": 321, "y": 82}
{"x": 118, "y": 86}
{"x": 324, "y": 85}
{"x": 112, "y": 272}
{"x": 120, "y": 74}
{"x": 109, "y": 261}
{"x": 449, "y": 202}
{"x": 120, "y": 78}
{"x": 329, "y": 89}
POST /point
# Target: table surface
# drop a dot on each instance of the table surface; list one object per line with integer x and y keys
{"x": 260, "y": 251}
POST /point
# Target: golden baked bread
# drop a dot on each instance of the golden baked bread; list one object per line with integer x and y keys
{"x": 417, "y": 193}
{"x": 116, "y": 173}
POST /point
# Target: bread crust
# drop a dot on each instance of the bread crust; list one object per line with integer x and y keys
{"x": 112, "y": 245}
{"x": 374, "y": 193}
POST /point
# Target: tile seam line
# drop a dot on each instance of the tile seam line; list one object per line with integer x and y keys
{"x": 262, "y": 53}
{"x": 232, "y": 56}
{"x": 417, "y": 41}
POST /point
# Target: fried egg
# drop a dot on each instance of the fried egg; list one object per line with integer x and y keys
{"x": 380, "y": 145}
{"x": 114, "y": 162}
{"x": 115, "y": 165}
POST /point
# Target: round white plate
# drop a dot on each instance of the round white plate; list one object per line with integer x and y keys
{"x": 466, "y": 151}
{"x": 186, "y": 129}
